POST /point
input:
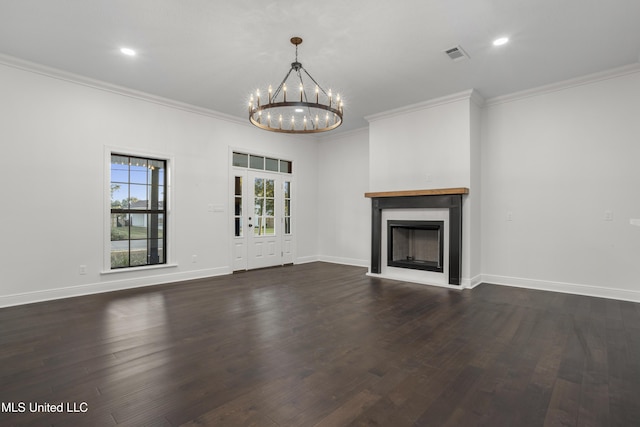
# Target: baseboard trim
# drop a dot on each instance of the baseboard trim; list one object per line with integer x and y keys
{"x": 344, "y": 261}
{"x": 567, "y": 288}
{"x": 472, "y": 282}
{"x": 305, "y": 259}
{"x": 110, "y": 286}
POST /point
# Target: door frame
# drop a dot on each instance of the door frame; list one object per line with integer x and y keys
{"x": 239, "y": 245}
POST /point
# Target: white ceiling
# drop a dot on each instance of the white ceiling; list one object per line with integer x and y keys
{"x": 379, "y": 55}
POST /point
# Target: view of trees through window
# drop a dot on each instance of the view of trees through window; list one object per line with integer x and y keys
{"x": 138, "y": 211}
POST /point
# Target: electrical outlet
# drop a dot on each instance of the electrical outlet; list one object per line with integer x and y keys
{"x": 608, "y": 215}
{"x": 194, "y": 258}
{"x": 82, "y": 270}
{"x": 509, "y": 216}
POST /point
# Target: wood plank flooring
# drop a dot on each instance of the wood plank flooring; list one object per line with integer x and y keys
{"x": 322, "y": 345}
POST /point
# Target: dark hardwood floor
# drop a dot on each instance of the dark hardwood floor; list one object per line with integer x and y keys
{"x": 322, "y": 345}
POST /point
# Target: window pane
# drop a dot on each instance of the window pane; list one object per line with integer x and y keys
{"x": 138, "y": 198}
{"x": 256, "y": 162}
{"x": 258, "y": 187}
{"x": 287, "y": 190}
{"x": 120, "y": 254}
{"x": 238, "y": 186}
{"x": 269, "y": 226}
{"x": 160, "y": 251}
{"x": 238, "y": 227}
{"x": 119, "y": 227}
{"x": 238, "y": 206}
{"x": 257, "y": 229}
{"x": 287, "y": 208}
{"x": 138, "y": 226}
{"x": 119, "y": 196}
{"x": 271, "y": 164}
{"x": 156, "y": 201}
{"x": 154, "y": 250}
{"x": 268, "y": 208}
{"x": 138, "y": 171}
{"x": 287, "y": 225}
{"x": 138, "y": 252}
{"x": 259, "y": 206}
{"x": 241, "y": 160}
{"x": 119, "y": 173}
{"x": 269, "y": 183}
{"x": 285, "y": 166}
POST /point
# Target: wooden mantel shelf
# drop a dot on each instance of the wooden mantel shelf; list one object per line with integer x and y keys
{"x": 432, "y": 192}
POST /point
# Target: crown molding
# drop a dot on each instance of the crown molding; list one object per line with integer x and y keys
{"x": 66, "y": 76}
{"x": 470, "y": 94}
{"x": 565, "y": 84}
{"x": 346, "y": 134}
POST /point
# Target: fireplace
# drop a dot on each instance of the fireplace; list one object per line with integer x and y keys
{"x": 416, "y": 244}
{"x": 416, "y": 206}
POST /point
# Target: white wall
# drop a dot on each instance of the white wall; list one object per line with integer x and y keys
{"x": 557, "y": 161}
{"x": 344, "y": 222}
{"x": 54, "y": 133}
{"x": 424, "y": 148}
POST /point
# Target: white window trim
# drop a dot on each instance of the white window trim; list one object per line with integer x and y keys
{"x": 106, "y": 220}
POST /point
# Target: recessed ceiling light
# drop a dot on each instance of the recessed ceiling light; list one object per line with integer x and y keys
{"x": 500, "y": 41}
{"x": 127, "y": 51}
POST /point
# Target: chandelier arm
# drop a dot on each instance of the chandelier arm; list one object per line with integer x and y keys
{"x": 306, "y": 99}
{"x": 279, "y": 88}
{"x": 314, "y": 80}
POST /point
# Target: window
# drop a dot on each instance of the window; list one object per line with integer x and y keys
{"x": 138, "y": 211}
{"x": 237, "y": 200}
{"x": 264, "y": 207}
{"x": 287, "y": 207}
{"x": 252, "y": 161}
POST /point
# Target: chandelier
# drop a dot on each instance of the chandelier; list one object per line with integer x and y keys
{"x": 290, "y": 109}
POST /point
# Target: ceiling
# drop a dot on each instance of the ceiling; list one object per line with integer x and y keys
{"x": 379, "y": 55}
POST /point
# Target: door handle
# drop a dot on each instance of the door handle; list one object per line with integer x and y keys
{"x": 250, "y": 225}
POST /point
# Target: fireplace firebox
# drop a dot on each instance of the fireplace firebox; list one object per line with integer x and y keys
{"x": 417, "y": 245}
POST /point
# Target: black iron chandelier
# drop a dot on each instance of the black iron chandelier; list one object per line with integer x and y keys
{"x": 291, "y": 109}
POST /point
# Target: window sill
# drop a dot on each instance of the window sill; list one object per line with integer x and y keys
{"x": 142, "y": 268}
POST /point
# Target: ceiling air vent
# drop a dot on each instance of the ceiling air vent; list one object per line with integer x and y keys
{"x": 457, "y": 53}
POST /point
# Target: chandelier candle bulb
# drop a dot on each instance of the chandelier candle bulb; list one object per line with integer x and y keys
{"x": 301, "y": 92}
{"x": 258, "y": 96}
{"x": 284, "y": 91}
{"x": 270, "y": 90}
{"x": 317, "y": 93}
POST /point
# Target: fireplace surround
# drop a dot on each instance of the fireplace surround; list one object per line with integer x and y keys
{"x": 445, "y": 198}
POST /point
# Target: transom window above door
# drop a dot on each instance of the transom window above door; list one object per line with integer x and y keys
{"x": 252, "y": 161}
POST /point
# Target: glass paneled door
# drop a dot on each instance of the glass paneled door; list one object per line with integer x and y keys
{"x": 263, "y": 234}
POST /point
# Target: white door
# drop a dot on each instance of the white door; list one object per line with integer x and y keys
{"x": 263, "y": 234}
